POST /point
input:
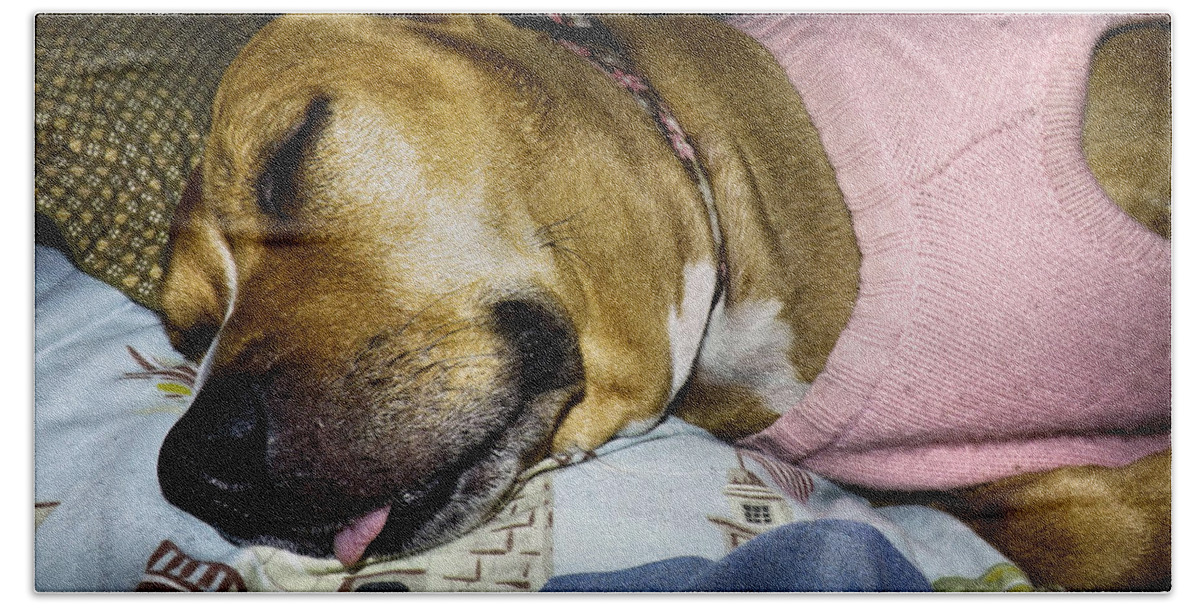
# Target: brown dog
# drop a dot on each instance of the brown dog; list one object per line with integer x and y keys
{"x": 421, "y": 254}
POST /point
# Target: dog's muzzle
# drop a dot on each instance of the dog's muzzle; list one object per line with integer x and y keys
{"x": 389, "y": 457}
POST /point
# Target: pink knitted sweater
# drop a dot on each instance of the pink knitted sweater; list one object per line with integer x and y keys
{"x": 1010, "y": 318}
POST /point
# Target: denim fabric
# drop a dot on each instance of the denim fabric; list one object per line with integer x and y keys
{"x": 823, "y": 555}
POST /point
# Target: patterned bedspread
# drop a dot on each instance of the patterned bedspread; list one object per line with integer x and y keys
{"x": 673, "y": 510}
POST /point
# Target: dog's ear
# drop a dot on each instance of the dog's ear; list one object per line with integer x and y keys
{"x": 196, "y": 291}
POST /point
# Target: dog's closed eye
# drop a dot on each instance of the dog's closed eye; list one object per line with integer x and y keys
{"x": 277, "y": 187}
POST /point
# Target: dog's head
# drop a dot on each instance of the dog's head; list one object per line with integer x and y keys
{"x": 376, "y": 306}
{"x": 374, "y": 264}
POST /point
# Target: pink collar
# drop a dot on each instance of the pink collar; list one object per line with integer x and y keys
{"x": 592, "y": 41}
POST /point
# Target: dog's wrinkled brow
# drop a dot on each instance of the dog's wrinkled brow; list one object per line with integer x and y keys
{"x": 277, "y": 186}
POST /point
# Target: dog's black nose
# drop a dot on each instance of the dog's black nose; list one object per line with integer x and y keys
{"x": 212, "y": 463}
{"x": 215, "y": 464}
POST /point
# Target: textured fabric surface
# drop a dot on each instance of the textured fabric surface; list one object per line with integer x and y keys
{"x": 826, "y": 555}
{"x": 1010, "y": 318}
{"x": 121, "y": 103}
{"x": 108, "y": 386}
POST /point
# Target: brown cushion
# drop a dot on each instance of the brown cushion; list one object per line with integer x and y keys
{"x": 121, "y": 106}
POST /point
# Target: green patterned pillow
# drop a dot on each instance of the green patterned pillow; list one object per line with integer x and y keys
{"x": 121, "y": 103}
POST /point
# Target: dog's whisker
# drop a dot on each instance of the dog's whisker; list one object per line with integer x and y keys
{"x": 465, "y": 324}
{"x": 448, "y": 364}
{"x": 550, "y": 234}
{"x": 475, "y": 321}
{"x": 491, "y": 355}
{"x": 574, "y": 255}
{"x": 555, "y": 242}
{"x": 407, "y": 354}
{"x": 552, "y": 239}
{"x": 448, "y": 360}
{"x": 280, "y": 355}
{"x": 429, "y": 346}
{"x": 441, "y": 339}
{"x": 426, "y": 308}
{"x": 558, "y": 224}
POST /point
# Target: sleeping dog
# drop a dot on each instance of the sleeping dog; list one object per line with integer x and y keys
{"x": 421, "y": 254}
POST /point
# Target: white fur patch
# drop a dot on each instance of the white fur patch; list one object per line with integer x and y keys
{"x": 455, "y": 246}
{"x": 638, "y": 427}
{"x": 445, "y": 238}
{"x": 231, "y": 285}
{"x": 748, "y": 346}
{"x": 685, "y": 326}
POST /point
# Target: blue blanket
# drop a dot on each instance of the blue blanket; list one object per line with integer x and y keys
{"x": 825, "y": 555}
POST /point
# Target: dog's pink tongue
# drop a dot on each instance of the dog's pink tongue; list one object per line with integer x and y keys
{"x": 350, "y": 543}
